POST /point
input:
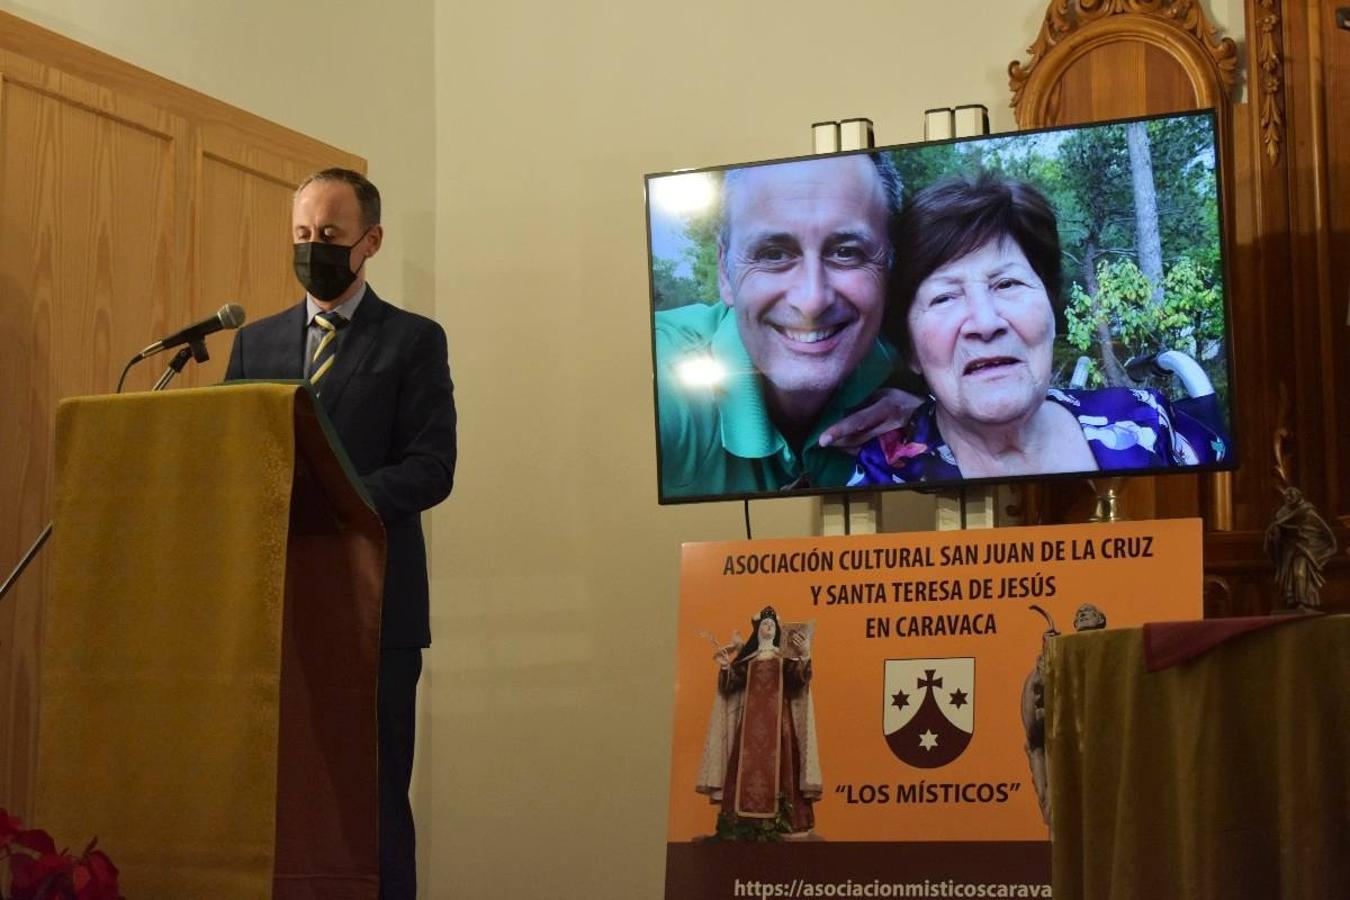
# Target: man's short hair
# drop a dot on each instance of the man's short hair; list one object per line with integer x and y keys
{"x": 886, "y": 171}
{"x": 367, "y": 195}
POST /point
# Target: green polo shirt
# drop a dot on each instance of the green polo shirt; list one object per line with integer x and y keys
{"x": 718, "y": 439}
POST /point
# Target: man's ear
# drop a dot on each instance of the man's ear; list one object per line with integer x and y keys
{"x": 723, "y": 278}
{"x": 375, "y": 239}
{"x": 368, "y": 245}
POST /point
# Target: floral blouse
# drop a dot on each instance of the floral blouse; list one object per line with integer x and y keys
{"x": 1126, "y": 428}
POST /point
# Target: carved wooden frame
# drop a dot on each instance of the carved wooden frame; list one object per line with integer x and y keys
{"x": 1270, "y": 59}
{"x": 1074, "y": 28}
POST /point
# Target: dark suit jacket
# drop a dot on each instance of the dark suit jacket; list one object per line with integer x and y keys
{"x": 391, "y": 401}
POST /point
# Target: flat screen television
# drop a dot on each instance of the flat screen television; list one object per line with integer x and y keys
{"x": 985, "y": 309}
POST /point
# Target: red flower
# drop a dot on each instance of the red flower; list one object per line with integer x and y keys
{"x": 95, "y": 877}
{"x": 9, "y": 826}
{"x": 38, "y": 872}
{"x": 36, "y": 878}
{"x": 38, "y": 841}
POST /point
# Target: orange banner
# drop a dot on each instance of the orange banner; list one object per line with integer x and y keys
{"x": 897, "y": 703}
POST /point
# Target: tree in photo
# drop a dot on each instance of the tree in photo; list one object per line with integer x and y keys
{"x": 1146, "y": 244}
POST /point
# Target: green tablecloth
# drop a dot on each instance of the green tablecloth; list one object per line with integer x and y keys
{"x": 1227, "y": 776}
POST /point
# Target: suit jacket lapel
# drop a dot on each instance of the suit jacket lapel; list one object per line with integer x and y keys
{"x": 354, "y": 343}
{"x": 283, "y": 350}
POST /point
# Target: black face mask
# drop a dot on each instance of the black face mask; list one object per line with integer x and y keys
{"x": 325, "y": 269}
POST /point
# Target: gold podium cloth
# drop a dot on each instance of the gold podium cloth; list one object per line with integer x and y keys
{"x": 1225, "y": 776}
{"x": 210, "y": 647}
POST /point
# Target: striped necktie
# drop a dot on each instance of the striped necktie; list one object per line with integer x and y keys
{"x": 326, "y": 351}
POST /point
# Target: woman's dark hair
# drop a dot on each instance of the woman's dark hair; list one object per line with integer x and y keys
{"x": 750, "y": 647}
{"x": 947, "y": 220}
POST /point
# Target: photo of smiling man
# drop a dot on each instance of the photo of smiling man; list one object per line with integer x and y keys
{"x": 748, "y": 381}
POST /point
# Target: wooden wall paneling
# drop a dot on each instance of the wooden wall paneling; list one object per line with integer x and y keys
{"x": 1326, "y": 184}
{"x": 1120, "y": 80}
{"x": 1094, "y": 61}
{"x": 1309, "y": 375}
{"x": 91, "y": 181}
{"x": 87, "y": 251}
{"x": 1257, "y": 260}
{"x": 202, "y": 111}
{"x": 1257, "y": 251}
{"x": 1317, "y": 79}
{"x": 243, "y": 231}
{"x": 1287, "y": 177}
{"x": 24, "y": 447}
{"x": 1280, "y": 325}
{"x": 112, "y": 180}
{"x": 1287, "y": 198}
{"x": 1336, "y": 87}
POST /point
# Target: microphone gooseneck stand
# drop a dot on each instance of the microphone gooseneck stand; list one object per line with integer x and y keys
{"x": 194, "y": 350}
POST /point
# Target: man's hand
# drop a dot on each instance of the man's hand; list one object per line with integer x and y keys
{"x": 886, "y": 410}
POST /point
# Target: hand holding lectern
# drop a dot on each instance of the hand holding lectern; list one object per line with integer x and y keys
{"x": 210, "y": 646}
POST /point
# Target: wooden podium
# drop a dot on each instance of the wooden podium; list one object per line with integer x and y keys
{"x": 210, "y": 647}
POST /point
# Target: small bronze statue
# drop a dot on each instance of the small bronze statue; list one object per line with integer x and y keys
{"x": 1298, "y": 541}
{"x": 1088, "y": 617}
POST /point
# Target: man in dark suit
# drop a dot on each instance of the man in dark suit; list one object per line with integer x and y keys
{"x": 382, "y": 375}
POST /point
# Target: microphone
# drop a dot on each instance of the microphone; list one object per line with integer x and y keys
{"x": 231, "y": 315}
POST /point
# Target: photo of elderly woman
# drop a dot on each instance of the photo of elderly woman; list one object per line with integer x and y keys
{"x": 976, "y": 303}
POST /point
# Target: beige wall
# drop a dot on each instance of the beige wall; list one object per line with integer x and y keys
{"x": 551, "y": 679}
{"x": 510, "y": 139}
{"x": 367, "y": 90}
